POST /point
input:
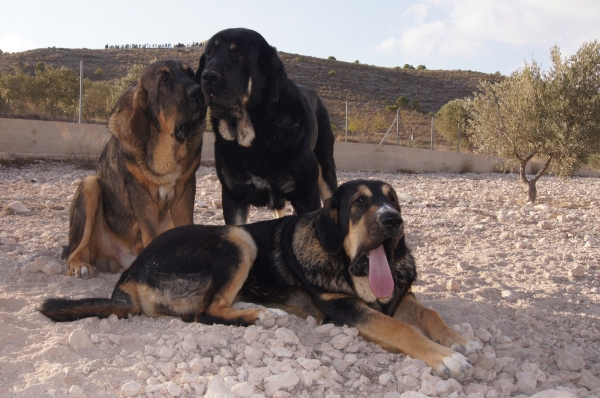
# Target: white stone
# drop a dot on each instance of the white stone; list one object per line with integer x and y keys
{"x": 18, "y": 207}
{"x": 8, "y": 241}
{"x": 341, "y": 341}
{"x": 413, "y": 394}
{"x": 76, "y": 391}
{"x": 385, "y": 378}
{"x": 453, "y": 285}
{"x": 131, "y": 389}
{"x": 509, "y": 295}
{"x": 483, "y": 335}
{"x": 218, "y": 389}
{"x": 201, "y": 204}
{"x": 281, "y": 381}
{"x": 309, "y": 364}
{"x": 323, "y": 330}
{"x": 251, "y": 334}
{"x": 174, "y": 389}
{"x": 168, "y": 369}
{"x": 526, "y": 382}
{"x": 568, "y": 361}
{"x": 115, "y": 338}
{"x": 577, "y": 272}
{"x": 281, "y": 352}
{"x": 79, "y": 339}
{"x": 165, "y": 352}
{"x": 287, "y": 335}
{"x": 243, "y": 389}
{"x": 554, "y": 394}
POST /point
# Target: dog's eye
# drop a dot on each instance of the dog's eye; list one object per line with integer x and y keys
{"x": 238, "y": 54}
{"x": 360, "y": 200}
{"x": 164, "y": 80}
{"x": 392, "y": 199}
{"x": 210, "y": 53}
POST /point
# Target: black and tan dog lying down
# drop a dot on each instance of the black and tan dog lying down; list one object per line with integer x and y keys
{"x": 347, "y": 263}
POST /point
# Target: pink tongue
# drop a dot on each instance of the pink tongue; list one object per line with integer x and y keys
{"x": 380, "y": 274}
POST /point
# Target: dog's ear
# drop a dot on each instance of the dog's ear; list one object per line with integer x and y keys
{"x": 277, "y": 73}
{"x": 140, "y": 122}
{"x": 329, "y": 232}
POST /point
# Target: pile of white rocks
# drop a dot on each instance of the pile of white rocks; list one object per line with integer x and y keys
{"x": 521, "y": 279}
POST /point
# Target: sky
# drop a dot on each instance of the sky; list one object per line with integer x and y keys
{"x": 479, "y": 35}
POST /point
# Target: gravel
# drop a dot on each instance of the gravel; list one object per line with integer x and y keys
{"x": 520, "y": 279}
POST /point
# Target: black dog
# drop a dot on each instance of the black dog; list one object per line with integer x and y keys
{"x": 347, "y": 264}
{"x": 273, "y": 138}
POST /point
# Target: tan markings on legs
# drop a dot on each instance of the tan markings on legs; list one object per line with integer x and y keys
{"x": 323, "y": 187}
{"x": 394, "y": 335}
{"x": 225, "y": 297}
{"x": 132, "y": 289}
{"x": 429, "y": 321}
{"x": 279, "y": 212}
{"x": 81, "y": 256}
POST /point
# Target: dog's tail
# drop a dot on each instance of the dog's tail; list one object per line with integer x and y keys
{"x": 65, "y": 310}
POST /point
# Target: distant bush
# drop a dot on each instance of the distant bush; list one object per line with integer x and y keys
{"x": 99, "y": 72}
{"x": 40, "y": 66}
{"x": 421, "y": 67}
{"x": 403, "y": 101}
{"x": 497, "y": 73}
{"x": 408, "y": 66}
{"x": 415, "y": 104}
{"x": 357, "y": 62}
{"x": 298, "y": 59}
{"x": 331, "y": 57}
{"x": 332, "y": 72}
{"x": 392, "y": 108}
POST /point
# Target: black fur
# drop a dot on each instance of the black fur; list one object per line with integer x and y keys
{"x": 271, "y": 145}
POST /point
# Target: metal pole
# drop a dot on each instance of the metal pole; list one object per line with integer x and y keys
{"x": 432, "y": 133}
{"x": 398, "y": 126}
{"x": 346, "y": 121}
{"x": 458, "y": 135}
{"x": 80, "y": 87}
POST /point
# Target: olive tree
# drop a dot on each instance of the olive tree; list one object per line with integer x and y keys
{"x": 554, "y": 116}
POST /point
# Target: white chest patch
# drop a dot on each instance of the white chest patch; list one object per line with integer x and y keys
{"x": 166, "y": 192}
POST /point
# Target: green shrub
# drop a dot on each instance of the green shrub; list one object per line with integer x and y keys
{"x": 99, "y": 72}
{"x": 40, "y": 66}
{"x": 403, "y": 101}
{"x": 332, "y": 72}
{"x": 408, "y": 66}
{"x": 331, "y": 57}
{"x": 357, "y": 62}
{"x": 391, "y": 108}
{"x": 421, "y": 67}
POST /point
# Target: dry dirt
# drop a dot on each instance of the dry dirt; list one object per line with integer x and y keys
{"x": 523, "y": 280}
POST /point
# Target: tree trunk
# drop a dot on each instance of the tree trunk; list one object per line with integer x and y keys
{"x": 532, "y": 191}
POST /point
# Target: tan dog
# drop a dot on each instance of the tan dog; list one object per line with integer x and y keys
{"x": 145, "y": 179}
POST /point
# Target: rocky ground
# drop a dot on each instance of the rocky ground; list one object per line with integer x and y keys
{"x": 521, "y": 279}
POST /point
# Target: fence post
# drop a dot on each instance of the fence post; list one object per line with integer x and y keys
{"x": 432, "y": 133}
{"x": 346, "y": 121}
{"x": 80, "y": 88}
{"x": 458, "y": 141}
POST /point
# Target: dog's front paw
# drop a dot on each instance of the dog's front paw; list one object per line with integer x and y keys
{"x": 453, "y": 365}
{"x": 471, "y": 349}
{"x": 84, "y": 271}
{"x": 273, "y": 316}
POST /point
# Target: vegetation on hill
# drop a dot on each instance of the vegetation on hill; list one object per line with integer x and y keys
{"x": 370, "y": 91}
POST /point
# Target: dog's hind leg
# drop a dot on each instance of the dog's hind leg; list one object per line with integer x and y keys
{"x": 220, "y": 309}
{"x": 412, "y": 312}
{"x": 82, "y": 222}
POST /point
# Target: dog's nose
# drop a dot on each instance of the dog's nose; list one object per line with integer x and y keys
{"x": 391, "y": 220}
{"x": 210, "y": 76}
{"x": 195, "y": 92}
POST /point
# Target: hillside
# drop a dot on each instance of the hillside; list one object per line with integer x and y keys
{"x": 368, "y": 89}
